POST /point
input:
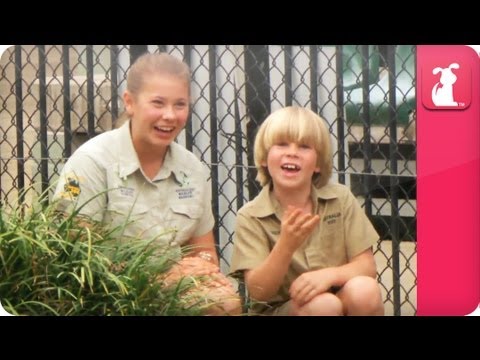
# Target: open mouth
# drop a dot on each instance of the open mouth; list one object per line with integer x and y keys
{"x": 164, "y": 129}
{"x": 290, "y": 168}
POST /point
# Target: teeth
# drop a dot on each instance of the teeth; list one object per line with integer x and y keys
{"x": 168, "y": 129}
{"x": 290, "y": 167}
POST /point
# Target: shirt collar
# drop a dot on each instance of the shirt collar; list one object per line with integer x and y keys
{"x": 173, "y": 162}
{"x": 128, "y": 156}
{"x": 265, "y": 204}
{"x": 176, "y": 163}
{"x": 326, "y": 192}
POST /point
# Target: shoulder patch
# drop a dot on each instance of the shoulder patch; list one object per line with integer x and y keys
{"x": 71, "y": 188}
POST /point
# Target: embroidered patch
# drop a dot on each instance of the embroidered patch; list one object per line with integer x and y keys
{"x": 184, "y": 181}
{"x": 71, "y": 188}
{"x": 185, "y": 193}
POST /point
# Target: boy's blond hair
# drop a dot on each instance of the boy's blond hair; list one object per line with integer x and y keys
{"x": 299, "y": 125}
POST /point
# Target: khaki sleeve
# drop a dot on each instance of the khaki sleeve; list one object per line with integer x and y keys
{"x": 82, "y": 187}
{"x": 359, "y": 231}
{"x": 251, "y": 246}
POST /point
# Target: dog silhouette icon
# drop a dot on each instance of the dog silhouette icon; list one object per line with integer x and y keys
{"x": 442, "y": 92}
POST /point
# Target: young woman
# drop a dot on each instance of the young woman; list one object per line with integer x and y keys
{"x": 137, "y": 179}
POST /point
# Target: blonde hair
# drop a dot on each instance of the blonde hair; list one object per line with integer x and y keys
{"x": 299, "y": 125}
{"x": 148, "y": 65}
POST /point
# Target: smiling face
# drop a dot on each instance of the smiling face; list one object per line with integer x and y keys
{"x": 292, "y": 165}
{"x": 159, "y": 111}
{"x": 292, "y": 146}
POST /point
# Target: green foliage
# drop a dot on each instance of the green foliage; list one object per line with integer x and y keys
{"x": 51, "y": 264}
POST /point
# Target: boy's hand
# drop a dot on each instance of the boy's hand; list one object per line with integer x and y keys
{"x": 296, "y": 227}
{"x": 310, "y": 284}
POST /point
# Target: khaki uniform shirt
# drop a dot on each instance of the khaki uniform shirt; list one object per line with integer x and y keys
{"x": 105, "y": 179}
{"x": 344, "y": 232}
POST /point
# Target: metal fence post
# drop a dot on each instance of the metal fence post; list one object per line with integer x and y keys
{"x": 136, "y": 51}
{"x": 258, "y": 102}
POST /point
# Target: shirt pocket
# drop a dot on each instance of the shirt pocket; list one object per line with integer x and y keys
{"x": 127, "y": 218}
{"x": 184, "y": 218}
{"x": 190, "y": 211}
{"x": 327, "y": 251}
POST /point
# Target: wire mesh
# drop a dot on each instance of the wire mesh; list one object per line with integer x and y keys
{"x": 54, "y": 98}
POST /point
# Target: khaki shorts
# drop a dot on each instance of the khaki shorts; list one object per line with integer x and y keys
{"x": 282, "y": 309}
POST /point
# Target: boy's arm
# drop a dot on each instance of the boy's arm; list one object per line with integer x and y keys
{"x": 360, "y": 236}
{"x": 264, "y": 281}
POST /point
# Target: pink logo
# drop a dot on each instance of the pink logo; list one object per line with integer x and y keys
{"x": 446, "y": 82}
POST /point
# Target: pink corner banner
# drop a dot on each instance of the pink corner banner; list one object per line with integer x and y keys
{"x": 448, "y": 180}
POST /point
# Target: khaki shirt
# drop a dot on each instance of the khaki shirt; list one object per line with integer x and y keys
{"x": 344, "y": 232}
{"x": 105, "y": 179}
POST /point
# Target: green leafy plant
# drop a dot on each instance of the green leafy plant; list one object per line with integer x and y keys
{"x": 52, "y": 264}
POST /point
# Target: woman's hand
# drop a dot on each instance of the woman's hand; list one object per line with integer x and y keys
{"x": 196, "y": 266}
{"x": 213, "y": 288}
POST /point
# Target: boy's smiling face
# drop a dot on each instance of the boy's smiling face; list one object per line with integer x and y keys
{"x": 291, "y": 165}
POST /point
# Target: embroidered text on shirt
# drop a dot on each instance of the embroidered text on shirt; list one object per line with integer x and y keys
{"x": 331, "y": 218}
{"x": 126, "y": 191}
{"x": 185, "y": 193}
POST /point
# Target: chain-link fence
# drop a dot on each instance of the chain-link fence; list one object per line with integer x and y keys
{"x": 54, "y": 98}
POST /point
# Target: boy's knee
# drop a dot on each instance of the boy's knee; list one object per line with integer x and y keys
{"x": 326, "y": 304}
{"x": 362, "y": 296}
